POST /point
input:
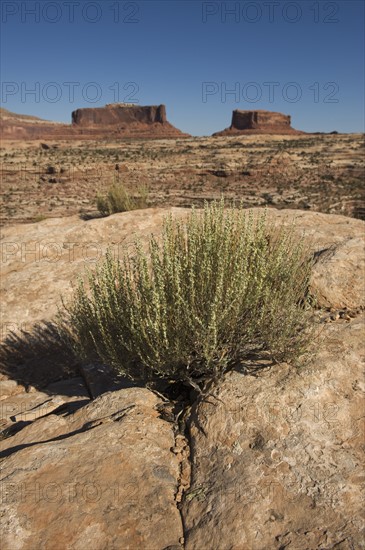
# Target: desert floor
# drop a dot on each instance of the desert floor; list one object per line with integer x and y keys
{"x": 322, "y": 173}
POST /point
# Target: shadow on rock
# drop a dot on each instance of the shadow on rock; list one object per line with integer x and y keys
{"x": 43, "y": 358}
{"x": 38, "y": 357}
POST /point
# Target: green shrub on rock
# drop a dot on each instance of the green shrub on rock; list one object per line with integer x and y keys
{"x": 210, "y": 292}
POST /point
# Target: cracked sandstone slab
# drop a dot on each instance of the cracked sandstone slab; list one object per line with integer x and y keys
{"x": 279, "y": 463}
{"x": 104, "y": 477}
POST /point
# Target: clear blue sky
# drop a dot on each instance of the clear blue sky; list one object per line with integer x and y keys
{"x": 187, "y": 55}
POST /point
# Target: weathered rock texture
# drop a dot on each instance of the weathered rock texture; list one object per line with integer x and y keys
{"x": 103, "y": 477}
{"x": 259, "y": 122}
{"x": 277, "y": 458}
{"x": 111, "y": 121}
{"x": 275, "y": 453}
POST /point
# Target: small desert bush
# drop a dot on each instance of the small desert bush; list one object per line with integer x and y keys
{"x": 39, "y": 218}
{"x": 119, "y": 199}
{"x": 209, "y": 292}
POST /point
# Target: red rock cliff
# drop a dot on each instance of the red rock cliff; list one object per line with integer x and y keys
{"x": 119, "y": 114}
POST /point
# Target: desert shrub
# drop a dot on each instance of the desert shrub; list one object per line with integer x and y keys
{"x": 39, "y": 218}
{"x": 119, "y": 199}
{"x": 208, "y": 293}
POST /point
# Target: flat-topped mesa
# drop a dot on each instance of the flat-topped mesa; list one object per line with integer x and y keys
{"x": 252, "y": 120}
{"x": 128, "y": 120}
{"x": 114, "y": 121}
{"x": 119, "y": 113}
{"x": 259, "y": 122}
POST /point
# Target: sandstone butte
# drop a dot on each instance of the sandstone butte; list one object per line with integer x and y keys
{"x": 272, "y": 459}
{"x": 258, "y": 122}
{"x": 117, "y": 120}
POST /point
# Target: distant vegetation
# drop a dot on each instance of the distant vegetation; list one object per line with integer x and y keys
{"x": 39, "y": 218}
{"x": 209, "y": 293}
{"x": 119, "y": 199}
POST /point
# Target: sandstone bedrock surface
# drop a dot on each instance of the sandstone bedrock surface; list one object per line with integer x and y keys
{"x": 272, "y": 459}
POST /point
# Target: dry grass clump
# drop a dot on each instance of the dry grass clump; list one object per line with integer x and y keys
{"x": 119, "y": 199}
{"x": 209, "y": 293}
